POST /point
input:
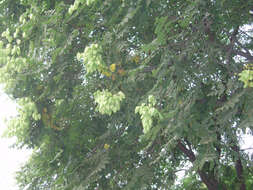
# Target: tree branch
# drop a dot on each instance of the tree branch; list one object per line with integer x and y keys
{"x": 187, "y": 152}
{"x": 239, "y": 169}
{"x": 210, "y": 182}
{"x": 248, "y": 56}
{"x": 241, "y": 46}
{"x": 250, "y": 148}
{"x": 231, "y": 44}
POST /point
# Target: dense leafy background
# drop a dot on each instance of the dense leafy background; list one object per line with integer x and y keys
{"x": 124, "y": 94}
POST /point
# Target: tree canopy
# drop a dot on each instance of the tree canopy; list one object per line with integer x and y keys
{"x": 125, "y": 94}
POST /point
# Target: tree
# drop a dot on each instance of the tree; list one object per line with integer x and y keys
{"x": 123, "y": 94}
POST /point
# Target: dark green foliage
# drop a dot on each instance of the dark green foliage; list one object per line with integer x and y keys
{"x": 176, "y": 61}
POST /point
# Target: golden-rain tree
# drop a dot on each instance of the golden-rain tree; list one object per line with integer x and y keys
{"x": 123, "y": 94}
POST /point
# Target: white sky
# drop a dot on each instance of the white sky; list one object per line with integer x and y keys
{"x": 10, "y": 159}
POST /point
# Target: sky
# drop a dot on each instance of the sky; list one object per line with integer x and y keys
{"x": 10, "y": 159}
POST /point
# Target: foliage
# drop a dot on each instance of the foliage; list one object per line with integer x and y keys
{"x": 122, "y": 94}
{"x": 147, "y": 112}
{"x": 107, "y": 102}
{"x": 92, "y": 58}
{"x": 246, "y": 76}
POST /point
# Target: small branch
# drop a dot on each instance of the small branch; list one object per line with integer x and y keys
{"x": 232, "y": 43}
{"x": 218, "y": 149}
{"x": 179, "y": 170}
{"x": 230, "y": 48}
{"x": 244, "y": 54}
{"x": 246, "y": 33}
{"x": 241, "y": 46}
{"x": 188, "y": 144}
{"x": 239, "y": 169}
{"x": 250, "y": 148}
